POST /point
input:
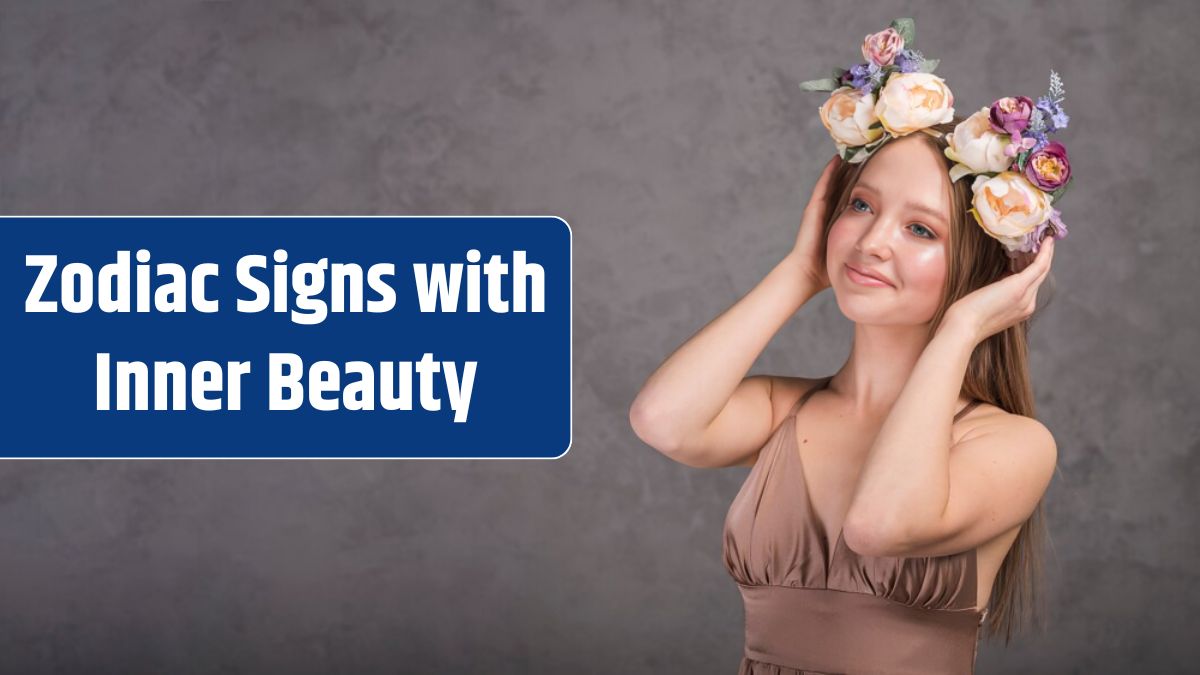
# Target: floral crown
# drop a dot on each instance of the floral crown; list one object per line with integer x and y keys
{"x": 1019, "y": 174}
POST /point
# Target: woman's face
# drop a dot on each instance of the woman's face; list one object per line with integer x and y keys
{"x": 884, "y": 230}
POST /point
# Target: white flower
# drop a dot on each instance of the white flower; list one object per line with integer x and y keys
{"x": 911, "y": 101}
{"x": 976, "y": 146}
{"x": 848, "y": 115}
{"x": 1008, "y": 206}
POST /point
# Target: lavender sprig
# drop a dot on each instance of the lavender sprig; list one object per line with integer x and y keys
{"x": 1057, "y": 94}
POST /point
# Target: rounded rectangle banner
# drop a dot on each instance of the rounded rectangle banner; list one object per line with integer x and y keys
{"x": 287, "y": 336}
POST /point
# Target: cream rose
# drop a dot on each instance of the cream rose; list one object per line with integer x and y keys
{"x": 1008, "y": 206}
{"x": 912, "y": 101}
{"x": 976, "y": 146}
{"x": 848, "y": 115}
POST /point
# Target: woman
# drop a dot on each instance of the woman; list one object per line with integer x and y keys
{"x": 896, "y": 504}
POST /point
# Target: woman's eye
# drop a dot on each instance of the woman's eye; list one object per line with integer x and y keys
{"x": 924, "y": 232}
{"x": 924, "y": 229}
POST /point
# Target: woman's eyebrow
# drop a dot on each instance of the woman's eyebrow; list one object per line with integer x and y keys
{"x": 920, "y": 208}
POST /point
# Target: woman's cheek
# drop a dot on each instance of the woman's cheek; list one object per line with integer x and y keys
{"x": 923, "y": 276}
{"x": 835, "y": 248}
{"x": 927, "y": 269}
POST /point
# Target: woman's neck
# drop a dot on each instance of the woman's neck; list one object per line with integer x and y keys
{"x": 881, "y": 360}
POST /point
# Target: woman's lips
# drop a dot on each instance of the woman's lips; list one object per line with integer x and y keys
{"x": 865, "y": 280}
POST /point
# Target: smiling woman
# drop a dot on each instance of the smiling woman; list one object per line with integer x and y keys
{"x": 893, "y": 507}
{"x": 933, "y": 390}
{"x": 892, "y": 224}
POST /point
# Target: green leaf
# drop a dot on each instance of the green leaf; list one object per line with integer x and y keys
{"x": 825, "y": 84}
{"x": 928, "y": 65}
{"x": 838, "y": 72}
{"x": 1021, "y": 157}
{"x": 1062, "y": 190}
{"x": 907, "y": 30}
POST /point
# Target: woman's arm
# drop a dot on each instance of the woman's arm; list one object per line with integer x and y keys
{"x": 698, "y": 407}
{"x": 687, "y": 407}
{"x": 917, "y": 495}
{"x": 905, "y": 478}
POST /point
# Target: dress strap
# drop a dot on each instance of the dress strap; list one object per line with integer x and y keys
{"x": 808, "y": 394}
{"x": 966, "y": 409}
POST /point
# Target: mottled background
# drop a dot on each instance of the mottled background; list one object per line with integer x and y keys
{"x": 673, "y": 137}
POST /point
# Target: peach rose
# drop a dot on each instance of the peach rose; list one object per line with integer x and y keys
{"x": 881, "y": 48}
{"x": 976, "y": 146}
{"x": 911, "y": 101}
{"x": 1008, "y": 206}
{"x": 848, "y": 115}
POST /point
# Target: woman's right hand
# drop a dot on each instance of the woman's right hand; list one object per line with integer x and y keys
{"x": 809, "y": 252}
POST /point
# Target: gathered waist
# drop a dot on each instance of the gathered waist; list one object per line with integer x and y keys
{"x": 845, "y": 632}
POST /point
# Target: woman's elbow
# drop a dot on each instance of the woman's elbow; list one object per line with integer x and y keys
{"x": 651, "y": 431}
{"x": 658, "y": 434}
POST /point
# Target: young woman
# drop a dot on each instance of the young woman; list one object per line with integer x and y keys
{"x": 894, "y": 505}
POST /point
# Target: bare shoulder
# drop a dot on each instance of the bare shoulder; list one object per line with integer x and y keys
{"x": 785, "y": 392}
{"x": 999, "y": 471}
{"x": 991, "y": 429}
{"x": 986, "y": 418}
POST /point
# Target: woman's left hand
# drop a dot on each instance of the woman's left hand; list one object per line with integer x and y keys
{"x": 995, "y": 307}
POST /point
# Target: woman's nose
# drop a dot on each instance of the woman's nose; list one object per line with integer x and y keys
{"x": 875, "y": 240}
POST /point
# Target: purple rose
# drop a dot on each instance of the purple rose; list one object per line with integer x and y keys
{"x": 1048, "y": 167}
{"x": 1010, "y": 115}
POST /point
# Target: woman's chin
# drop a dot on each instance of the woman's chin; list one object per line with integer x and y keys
{"x": 869, "y": 308}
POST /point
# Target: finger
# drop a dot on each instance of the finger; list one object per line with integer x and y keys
{"x": 1045, "y": 255}
{"x": 1032, "y": 291}
{"x": 1040, "y": 262}
{"x": 1036, "y": 283}
{"x": 1045, "y": 272}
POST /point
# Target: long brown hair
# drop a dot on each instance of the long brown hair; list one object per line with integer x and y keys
{"x": 998, "y": 373}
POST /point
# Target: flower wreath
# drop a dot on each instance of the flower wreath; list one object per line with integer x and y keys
{"x": 1019, "y": 174}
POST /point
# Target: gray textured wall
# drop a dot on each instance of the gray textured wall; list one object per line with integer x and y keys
{"x": 673, "y": 138}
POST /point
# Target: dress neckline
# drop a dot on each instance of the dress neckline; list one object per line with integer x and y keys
{"x": 830, "y": 551}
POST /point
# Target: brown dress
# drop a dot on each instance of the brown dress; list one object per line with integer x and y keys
{"x": 812, "y": 611}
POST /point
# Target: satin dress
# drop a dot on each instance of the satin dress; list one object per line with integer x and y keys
{"x": 815, "y": 608}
